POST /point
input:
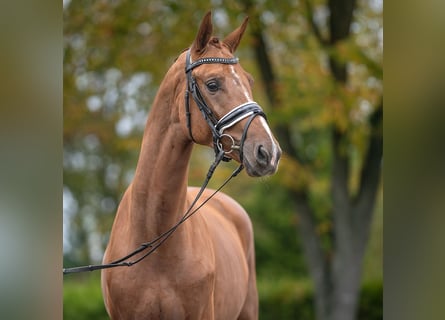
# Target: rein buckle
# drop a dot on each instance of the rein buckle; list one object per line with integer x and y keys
{"x": 233, "y": 146}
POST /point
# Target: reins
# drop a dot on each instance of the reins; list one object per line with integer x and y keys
{"x": 155, "y": 243}
{"x": 249, "y": 109}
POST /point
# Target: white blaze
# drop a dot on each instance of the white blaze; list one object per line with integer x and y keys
{"x": 237, "y": 81}
{"x": 269, "y": 133}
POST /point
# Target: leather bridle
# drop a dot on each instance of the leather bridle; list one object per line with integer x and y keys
{"x": 248, "y": 109}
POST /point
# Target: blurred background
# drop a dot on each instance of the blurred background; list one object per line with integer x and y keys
{"x": 317, "y": 67}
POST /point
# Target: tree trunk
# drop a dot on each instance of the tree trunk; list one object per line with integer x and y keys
{"x": 337, "y": 273}
{"x": 318, "y": 262}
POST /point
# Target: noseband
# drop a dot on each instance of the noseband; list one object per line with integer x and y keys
{"x": 249, "y": 109}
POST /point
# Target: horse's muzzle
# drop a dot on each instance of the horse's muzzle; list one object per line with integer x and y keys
{"x": 263, "y": 160}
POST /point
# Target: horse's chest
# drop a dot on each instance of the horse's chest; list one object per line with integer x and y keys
{"x": 179, "y": 293}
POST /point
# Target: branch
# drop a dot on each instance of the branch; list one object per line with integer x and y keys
{"x": 341, "y": 205}
{"x": 371, "y": 170}
{"x": 314, "y": 26}
{"x": 340, "y": 168}
{"x": 316, "y": 257}
{"x": 342, "y": 13}
{"x": 265, "y": 66}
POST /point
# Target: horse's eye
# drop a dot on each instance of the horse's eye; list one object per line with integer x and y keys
{"x": 212, "y": 85}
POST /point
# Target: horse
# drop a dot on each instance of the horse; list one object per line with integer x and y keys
{"x": 206, "y": 269}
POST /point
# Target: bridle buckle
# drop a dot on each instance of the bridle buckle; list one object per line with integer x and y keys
{"x": 232, "y": 147}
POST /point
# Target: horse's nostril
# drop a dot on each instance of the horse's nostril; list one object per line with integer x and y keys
{"x": 262, "y": 156}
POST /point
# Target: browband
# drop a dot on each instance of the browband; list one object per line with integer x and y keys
{"x": 190, "y": 66}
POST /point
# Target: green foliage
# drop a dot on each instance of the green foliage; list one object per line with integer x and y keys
{"x": 278, "y": 252}
{"x": 280, "y": 298}
{"x": 82, "y": 300}
{"x": 290, "y": 299}
{"x": 371, "y": 301}
{"x": 285, "y": 299}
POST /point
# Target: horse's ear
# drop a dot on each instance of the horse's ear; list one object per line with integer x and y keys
{"x": 204, "y": 33}
{"x": 233, "y": 39}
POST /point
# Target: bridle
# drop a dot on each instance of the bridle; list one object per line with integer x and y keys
{"x": 249, "y": 109}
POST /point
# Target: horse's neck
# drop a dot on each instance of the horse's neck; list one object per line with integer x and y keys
{"x": 160, "y": 183}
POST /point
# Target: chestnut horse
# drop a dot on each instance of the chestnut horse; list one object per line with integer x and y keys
{"x": 206, "y": 269}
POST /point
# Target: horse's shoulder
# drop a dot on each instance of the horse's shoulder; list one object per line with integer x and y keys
{"x": 227, "y": 208}
{"x": 220, "y": 199}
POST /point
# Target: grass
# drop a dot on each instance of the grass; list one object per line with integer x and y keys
{"x": 82, "y": 298}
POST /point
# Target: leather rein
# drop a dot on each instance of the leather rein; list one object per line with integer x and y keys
{"x": 246, "y": 110}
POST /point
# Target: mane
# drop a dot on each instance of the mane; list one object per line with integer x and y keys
{"x": 184, "y": 50}
{"x": 214, "y": 41}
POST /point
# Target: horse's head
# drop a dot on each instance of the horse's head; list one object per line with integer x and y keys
{"x": 220, "y": 110}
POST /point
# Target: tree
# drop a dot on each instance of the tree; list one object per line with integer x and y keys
{"x": 335, "y": 255}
